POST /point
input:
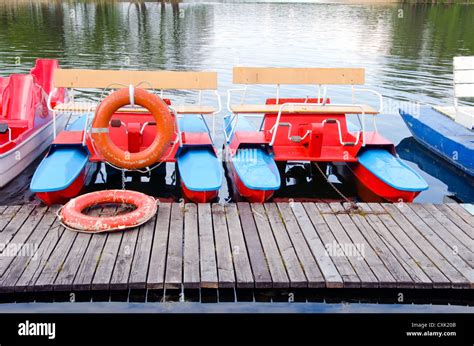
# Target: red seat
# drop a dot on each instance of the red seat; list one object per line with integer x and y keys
{"x": 43, "y": 74}
{"x": 19, "y": 99}
{"x": 3, "y": 84}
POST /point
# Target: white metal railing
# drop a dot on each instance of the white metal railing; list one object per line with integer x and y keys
{"x": 322, "y": 95}
{"x": 93, "y": 108}
{"x": 274, "y": 128}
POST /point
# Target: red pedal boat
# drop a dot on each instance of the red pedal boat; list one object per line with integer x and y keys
{"x": 134, "y": 132}
{"x": 311, "y": 130}
{"x": 27, "y": 124}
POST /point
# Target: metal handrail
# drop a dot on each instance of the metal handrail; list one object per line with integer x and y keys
{"x": 340, "y": 132}
{"x": 274, "y": 129}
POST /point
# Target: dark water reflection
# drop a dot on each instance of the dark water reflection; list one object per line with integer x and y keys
{"x": 407, "y": 50}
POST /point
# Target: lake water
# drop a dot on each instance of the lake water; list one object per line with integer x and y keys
{"x": 407, "y": 52}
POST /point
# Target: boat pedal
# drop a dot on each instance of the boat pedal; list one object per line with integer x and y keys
{"x": 3, "y": 128}
{"x": 296, "y": 139}
{"x": 115, "y": 123}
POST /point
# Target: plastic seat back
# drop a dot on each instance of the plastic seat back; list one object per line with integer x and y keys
{"x": 43, "y": 73}
{"x": 18, "y": 98}
{"x": 3, "y": 84}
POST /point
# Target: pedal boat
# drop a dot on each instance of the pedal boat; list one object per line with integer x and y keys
{"x": 27, "y": 124}
{"x": 311, "y": 130}
{"x": 73, "y": 155}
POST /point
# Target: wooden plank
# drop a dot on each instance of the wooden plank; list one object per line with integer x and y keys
{"x": 243, "y": 270}
{"x": 27, "y": 252}
{"x": 15, "y": 223}
{"x": 225, "y": 267}
{"x": 67, "y": 274}
{"x": 402, "y": 266}
{"x": 368, "y": 226}
{"x": 464, "y": 77}
{"x": 300, "y": 109}
{"x": 377, "y": 266}
{"x": 107, "y": 259}
{"x": 54, "y": 263}
{"x": 459, "y": 256}
{"x": 463, "y": 63}
{"x": 78, "y": 107}
{"x": 280, "y": 278}
{"x": 448, "y": 251}
{"x": 156, "y": 271}
{"x": 331, "y": 276}
{"x": 275, "y": 75}
{"x": 255, "y": 251}
{"x": 3, "y": 208}
{"x": 383, "y": 275}
{"x": 363, "y": 270}
{"x": 174, "y": 261}
{"x": 90, "y": 262}
{"x": 414, "y": 228}
{"x": 313, "y": 273}
{"x": 86, "y": 267}
{"x": 69, "y": 270}
{"x": 32, "y": 272}
{"x": 464, "y": 90}
{"x": 451, "y": 226}
{"x": 469, "y": 207}
{"x": 441, "y": 229}
{"x": 463, "y": 213}
{"x": 8, "y": 215}
{"x": 19, "y": 237}
{"x": 163, "y": 80}
{"x": 468, "y": 229}
{"x": 141, "y": 259}
{"x": 409, "y": 251}
{"x": 344, "y": 267}
{"x": 207, "y": 251}
{"x": 123, "y": 262}
{"x": 293, "y": 267}
{"x": 191, "y": 270}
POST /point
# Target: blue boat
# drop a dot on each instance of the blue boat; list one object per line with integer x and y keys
{"x": 443, "y": 136}
{"x": 448, "y": 131}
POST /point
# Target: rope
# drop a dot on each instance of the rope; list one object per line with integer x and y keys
{"x": 352, "y": 208}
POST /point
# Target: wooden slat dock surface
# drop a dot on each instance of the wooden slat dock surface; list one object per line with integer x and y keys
{"x": 273, "y": 251}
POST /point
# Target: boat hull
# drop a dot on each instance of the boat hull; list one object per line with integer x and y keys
{"x": 251, "y": 195}
{"x": 372, "y": 189}
{"x": 443, "y": 136}
{"x": 199, "y": 196}
{"x": 13, "y": 162}
{"x": 62, "y": 196}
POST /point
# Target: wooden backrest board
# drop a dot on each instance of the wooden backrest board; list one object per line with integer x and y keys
{"x": 275, "y": 75}
{"x": 163, "y": 80}
{"x": 463, "y": 76}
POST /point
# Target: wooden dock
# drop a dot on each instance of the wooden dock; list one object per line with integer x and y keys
{"x": 400, "y": 253}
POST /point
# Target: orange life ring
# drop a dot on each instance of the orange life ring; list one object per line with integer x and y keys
{"x": 115, "y": 155}
{"x": 73, "y": 217}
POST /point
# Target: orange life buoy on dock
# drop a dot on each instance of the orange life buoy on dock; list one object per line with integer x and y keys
{"x": 115, "y": 155}
{"x": 72, "y": 215}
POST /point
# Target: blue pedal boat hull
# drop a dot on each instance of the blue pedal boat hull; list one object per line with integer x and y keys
{"x": 443, "y": 136}
{"x": 199, "y": 167}
{"x": 254, "y": 171}
{"x": 381, "y": 176}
